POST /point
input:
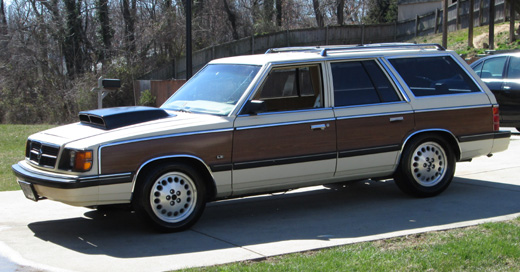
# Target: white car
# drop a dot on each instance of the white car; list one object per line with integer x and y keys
{"x": 290, "y": 118}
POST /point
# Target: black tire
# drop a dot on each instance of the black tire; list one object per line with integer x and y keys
{"x": 426, "y": 168}
{"x": 171, "y": 196}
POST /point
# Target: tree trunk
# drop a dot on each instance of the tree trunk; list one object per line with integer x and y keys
{"x": 129, "y": 20}
{"x": 73, "y": 47}
{"x": 104, "y": 30}
{"x": 317, "y": 12}
{"x": 232, "y": 19}
{"x": 269, "y": 11}
{"x": 339, "y": 12}
{"x": 279, "y": 12}
{"x": 3, "y": 19}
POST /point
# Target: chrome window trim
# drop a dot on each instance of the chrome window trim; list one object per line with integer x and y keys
{"x": 286, "y": 112}
{"x": 384, "y": 68}
{"x": 275, "y": 65}
{"x": 445, "y": 54}
{"x": 285, "y": 123}
{"x": 392, "y": 72}
{"x": 371, "y": 105}
{"x": 374, "y": 115}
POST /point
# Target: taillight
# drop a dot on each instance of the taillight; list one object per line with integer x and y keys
{"x": 496, "y": 118}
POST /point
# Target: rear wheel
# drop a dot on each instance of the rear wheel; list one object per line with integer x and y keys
{"x": 427, "y": 167}
{"x": 172, "y": 197}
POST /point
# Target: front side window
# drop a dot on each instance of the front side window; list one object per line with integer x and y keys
{"x": 214, "y": 90}
{"x": 292, "y": 88}
{"x": 429, "y": 76}
{"x": 493, "y": 68}
{"x": 361, "y": 82}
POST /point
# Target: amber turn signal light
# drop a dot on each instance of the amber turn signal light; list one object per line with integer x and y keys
{"x": 82, "y": 160}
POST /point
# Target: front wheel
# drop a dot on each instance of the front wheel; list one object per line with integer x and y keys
{"x": 427, "y": 167}
{"x": 171, "y": 196}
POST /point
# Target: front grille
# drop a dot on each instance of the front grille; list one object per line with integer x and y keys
{"x": 42, "y": 154}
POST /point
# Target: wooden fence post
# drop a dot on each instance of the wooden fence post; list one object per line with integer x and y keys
{"x": 445, "y": 24}
{"x": 512, "y": 36}
{"x": 470, "y": 25}
{"x": 416, "y": 25}
{"x": 327, "y": 35}
{"x": 436, "y": 28}
{"x": 457, "y": 16}
{"x": 253, "y": 44}
{"x": 363, "y": 34}
{"x": 491, "y": 24}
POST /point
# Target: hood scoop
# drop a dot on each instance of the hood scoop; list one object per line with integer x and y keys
{"x": 111, "y": 118}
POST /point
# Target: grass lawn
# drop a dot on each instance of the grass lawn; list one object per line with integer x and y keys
{"x": 12, "y": 148}
{"x": 487, "y": 247}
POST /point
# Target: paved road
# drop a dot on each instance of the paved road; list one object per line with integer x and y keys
{"x": 51, "y": 236}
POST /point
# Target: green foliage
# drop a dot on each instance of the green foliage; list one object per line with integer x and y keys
{"x": 147, "y": 99}
{"x": 381, "y": 11}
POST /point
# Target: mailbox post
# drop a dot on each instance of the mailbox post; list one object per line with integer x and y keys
{"x": 105, "y": 85}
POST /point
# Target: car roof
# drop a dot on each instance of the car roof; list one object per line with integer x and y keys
{"x": 319, "y": 53}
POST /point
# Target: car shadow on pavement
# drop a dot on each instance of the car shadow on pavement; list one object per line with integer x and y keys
{"x": 353, "y": 210}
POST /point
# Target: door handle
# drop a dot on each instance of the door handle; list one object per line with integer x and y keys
{"x": 318, "y": 127}
{"x": 396, "y": 119}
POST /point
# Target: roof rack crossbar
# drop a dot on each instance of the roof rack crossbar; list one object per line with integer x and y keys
{"x": 324, "y": 50}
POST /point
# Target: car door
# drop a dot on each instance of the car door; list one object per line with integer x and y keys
{"x": 293, "y": 141}
{"x": 491, "y": 71}
{"x": 373, "y": 118}
{"x": 510, "y": 92}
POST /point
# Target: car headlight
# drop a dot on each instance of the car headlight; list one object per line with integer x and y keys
{"x": 76, "y": 160}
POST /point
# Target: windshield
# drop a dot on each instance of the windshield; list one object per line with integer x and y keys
{"x": 216, "y": 89}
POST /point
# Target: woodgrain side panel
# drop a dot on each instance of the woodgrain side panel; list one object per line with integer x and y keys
{"x": 370, "y": 132}
{"x": 129, "y": 156}
{"x": 460, "y": 122}
{"x": 283, "y": 141}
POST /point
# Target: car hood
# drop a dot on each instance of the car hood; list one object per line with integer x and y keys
{"x": 129, "y": 123}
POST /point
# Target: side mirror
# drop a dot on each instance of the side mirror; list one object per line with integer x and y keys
{"x": 254, "y": 107}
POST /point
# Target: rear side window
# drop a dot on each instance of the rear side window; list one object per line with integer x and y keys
{"x": 361, "y": 82}
{"x": 429, "y": 76}
{"x": 514, "y": 68}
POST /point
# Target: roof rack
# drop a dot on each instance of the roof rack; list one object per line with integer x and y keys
{"x": 375, "y": 46}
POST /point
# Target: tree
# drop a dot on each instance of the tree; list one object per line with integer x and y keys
{"x": 75, "y": 46}
{"x": 339, "y": 12}
{"x": 232, "y": 17}
{"x": 279, "y": 12}
{"x": 129, "y": 13}
{"x": 318, "y": 13}
{"x": 104, "y": 30}
{"x": 3, "y": 19}
{"x": 381, "y": 11}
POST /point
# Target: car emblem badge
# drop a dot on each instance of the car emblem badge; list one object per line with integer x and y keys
{"x": 40, "y": 153}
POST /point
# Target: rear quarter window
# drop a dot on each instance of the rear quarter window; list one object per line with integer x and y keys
{"x": 430, "y": 76}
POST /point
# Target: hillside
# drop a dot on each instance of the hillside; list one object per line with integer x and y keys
{"x": 458, "y": 40}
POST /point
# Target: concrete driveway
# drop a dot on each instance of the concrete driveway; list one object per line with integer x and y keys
{"x": 50, "y": 236}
